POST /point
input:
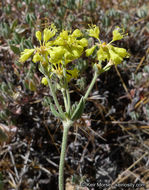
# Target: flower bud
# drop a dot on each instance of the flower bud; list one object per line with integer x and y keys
{"x": 77, "y": 33}
{"x": 83, "y": 42}
{"x": 116, "y": 58}
{"x": 94, "y": 31}
{"x": 90, "y": 51}
{"x": 38, "y": 36}
{"x": 44, "y": 81}
{"x": 37, "y": 58}
{"x": 117, "y": 35}
{"x": 26, "y": 54}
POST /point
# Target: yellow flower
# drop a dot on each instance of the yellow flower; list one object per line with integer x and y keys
{"x": 44, "y": 81}
{"x": 56, "y": 54}
{"x": 83, "y": 42}
{"x": 49, "y": 33}
{"x": 102, "y": 55}
{"x": 69, "y": 56}
{"x": 75, "y": 53}
{"x": 42, "y": 52}
{"x": 64, "y": 34}
{"x": 71, "y": 47}
{"x": 90, "y": 51}
{"x": 62, "y": 38}
{"x": 37, "y": 58}
{"x": 109, "y": 52}
{"x": 116, "y": 58}
{"x": 106, "y": 51}
{"x": 77, "y": 33}
{"x": 26, "y": 54}
{"x": 117, "y": 34}
{"x": 38, "y": 36}
{"x": 72, "y": 74}
{"x": 94, "y": 31}
{"x": 57, "y": 69}
{"x": 121, "y": 51}
{"x": 117, "y": 54}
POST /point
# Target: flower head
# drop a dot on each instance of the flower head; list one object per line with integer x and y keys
{"x": 90, "y": 51}
{"x": 106, "y": 51}
{"x": 41, "y": 52}
{"x": 118, "y": 34}
{"x": 49, "y": 33}
{"x": 94, "y": 31}
{"x": 77, "y": 33}
{"x": 69, "y": 47}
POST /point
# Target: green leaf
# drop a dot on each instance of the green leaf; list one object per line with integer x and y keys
{"x": 53, "y": 110}
{"x": 32, "y": 85}
{"x": 41, "y": 69}
{"x": 15, "y": 49}
{"x": 46, "y": 102}
{"x": 26, "y": 83}
{"x": 79, "y": 110}
{"x": 55, "y": 113}
{"x": 14, "y": 24}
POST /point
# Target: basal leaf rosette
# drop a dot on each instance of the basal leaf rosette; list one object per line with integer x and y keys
{"x": 106, "y": 51}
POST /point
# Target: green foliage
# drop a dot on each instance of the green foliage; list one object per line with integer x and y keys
{"x": 142, "y": 12}
{"x": 78, "y": 110}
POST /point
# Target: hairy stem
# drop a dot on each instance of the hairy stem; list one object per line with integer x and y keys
{"x": 65, "y": 99}
{"x": 66, "y": 90}
{"x": 91, "y": 85}
{"x": 66, "y": 125}
{"x": 54, "y": 95}
{"x": 68, "y": 98}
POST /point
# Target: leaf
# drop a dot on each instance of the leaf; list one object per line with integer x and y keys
{"x": 15, "y": 49}
{"x": 55, "y": 113}
{"x": 32, "y": 85}
{"x": 79, "y": 110}
{"x": 20, "y": 30}
{"x": 14, "y": 24}
{"x": 47, "y": 101}
{"x": 26, "y": 83}
{"x": 41, "y": 69}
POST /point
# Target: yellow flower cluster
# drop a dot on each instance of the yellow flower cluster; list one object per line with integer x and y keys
{"x": 67, "y": 47}
{"x": 62, "y": 50}
{"x": 105, "y": 51}
{"x": 55, "y": 54}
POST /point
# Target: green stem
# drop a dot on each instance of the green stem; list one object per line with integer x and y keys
{"x": 54, "y": 95}
{"x": 68, "y": 98}
{"x": 91, "y": 85}
{"x": 65, "y": 99}
{"x": 66, "y": 90}
{"x": 66, "y": 125}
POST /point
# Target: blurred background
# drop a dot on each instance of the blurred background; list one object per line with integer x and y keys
{"x": 109, "y": 144}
